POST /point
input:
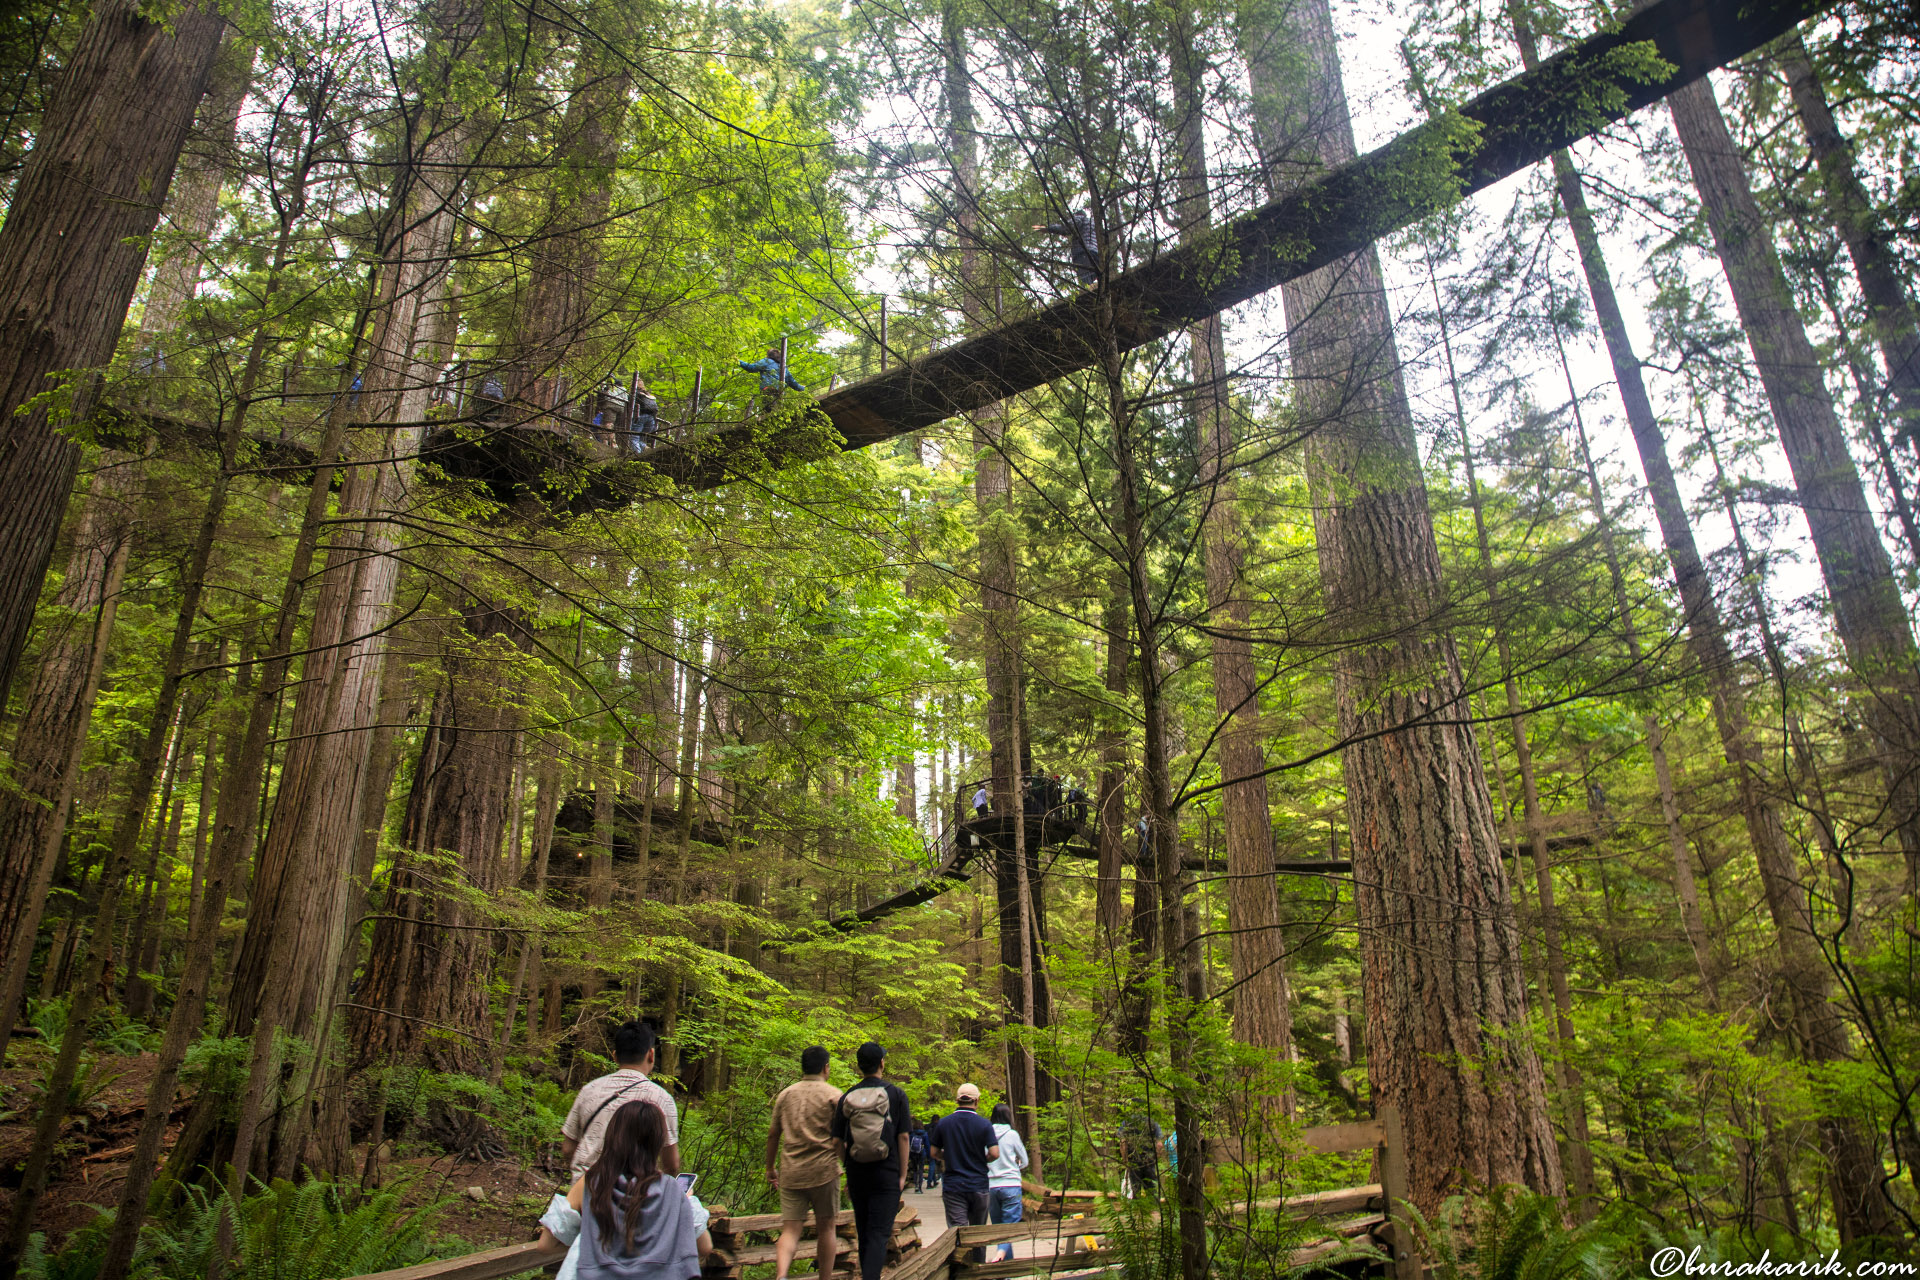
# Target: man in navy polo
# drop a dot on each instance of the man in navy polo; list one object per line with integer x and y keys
{"x": 966, "y": 1144}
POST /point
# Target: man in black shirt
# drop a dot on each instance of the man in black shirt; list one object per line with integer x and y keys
{"x": 873, "y": 1124}
{"x": 968, "y": 1145}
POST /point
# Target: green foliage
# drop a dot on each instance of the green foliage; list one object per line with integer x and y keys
{"x": 111, "y": 1031}
{"x": 312, "y": 1231}
{"x": 1511, "y": 1233}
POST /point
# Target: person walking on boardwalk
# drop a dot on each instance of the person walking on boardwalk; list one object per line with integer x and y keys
{"x": 808, "y": 1176}
{"x": 917, "y": 1156}
{"x": 966, "y": 1142}
{"x": 872, "y": 1122}
{"x": 634, "y": 1047}
{"x": 933, "y": 1158}
{"x": 626, "y": 1217}
{"x": 1003, "y": 1175}
{"x": 1140, "y": 1153}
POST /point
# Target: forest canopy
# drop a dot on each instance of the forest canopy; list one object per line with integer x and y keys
{"x": 1242, "y": 575}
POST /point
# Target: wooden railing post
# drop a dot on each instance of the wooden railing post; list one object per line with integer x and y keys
{"x": 1393, "y": 1184}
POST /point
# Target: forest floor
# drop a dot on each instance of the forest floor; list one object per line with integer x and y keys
{"x": 486, "y": 1203}
{"x": 92, "y": 1156}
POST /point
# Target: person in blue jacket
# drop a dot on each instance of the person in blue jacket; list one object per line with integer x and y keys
{"x": 772, "y": 375}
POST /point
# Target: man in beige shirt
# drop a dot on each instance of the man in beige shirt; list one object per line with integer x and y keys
{"x": 634, "y": 1047}
{"x": 801, "y": 1135}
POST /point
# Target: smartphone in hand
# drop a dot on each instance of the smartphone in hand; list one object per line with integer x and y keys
{"x": 687, "y": 1180}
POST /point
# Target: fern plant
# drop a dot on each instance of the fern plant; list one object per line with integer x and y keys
{"x": 1514, "y": 1234}
{"x": 282, "y": 1232}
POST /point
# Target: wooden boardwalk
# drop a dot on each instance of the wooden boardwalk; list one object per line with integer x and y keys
{"x": 1067, "y": 1238}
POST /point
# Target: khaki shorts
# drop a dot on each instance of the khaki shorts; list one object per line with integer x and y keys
{"x": 822, "y": 1201}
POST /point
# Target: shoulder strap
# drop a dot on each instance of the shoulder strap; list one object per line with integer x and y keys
{"x": 588, "y": 1126}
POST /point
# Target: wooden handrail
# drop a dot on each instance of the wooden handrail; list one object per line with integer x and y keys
{"x": 508, "y": 1260}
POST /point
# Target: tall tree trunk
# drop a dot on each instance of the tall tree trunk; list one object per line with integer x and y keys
{"x": 142, "y": 937}
{"x": 431, "y": 958}
{"x": 1447, "y": 1043}
{"x": 1577, "y": 1157}
{"x": 326, "y": 1105}
{"x": 237, "y": 820}
{"x": 1891, "y": 316}
{"x": 298, "y": 899}
{"x": 554, "y": 311}
{"x": 127, "y": 829}
{"x": 1165, "y": 873}
{"x": 45, "y": 758}
{"x": 1868, "y": 613}
{"x": 1110, "y": 912}
{"x": 1823, "y": 1035}
{"x": 689, "y": 781}
{"x": 1686, "y": 888}
{"x": 546, "y": 805}
{"x": 1257, "y": 950}
{"x": 194, "y": 202}
{"x": 999, "y": 562}
{"x": 71, "y": 251}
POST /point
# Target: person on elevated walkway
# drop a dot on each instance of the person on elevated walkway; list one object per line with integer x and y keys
{"x": 872, "y": 1122}
{"x": 634, "y": 1047}
{"x": 808, "y": 1176}
{"x": 773, "y": 373}
{"x": 966, "y": 1142}
{"x": 1083, "y": 246}
{"x": 643, "y": 422}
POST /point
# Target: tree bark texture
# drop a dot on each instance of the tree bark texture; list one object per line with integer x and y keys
{"x": 71, "y": 251}
{"x": 194, "y": 202}
{"x": 1110, "y": 909}
{"x": 1446, "y": 1004}
{"x": 53, "y": 723}
{"x": 431, "y": 958}
{"x": 326, "y": 1106}
{"x": 1868, "y": 613}
{"x": 1577, "y": 1157}
{"x": 300, "y": 875}
{"x": 555, "y": 310}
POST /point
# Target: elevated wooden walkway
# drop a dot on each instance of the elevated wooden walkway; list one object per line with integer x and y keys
{"x": 1508, "y": 128}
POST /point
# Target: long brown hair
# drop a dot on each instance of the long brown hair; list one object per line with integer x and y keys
{"x": 631, "y": 1150}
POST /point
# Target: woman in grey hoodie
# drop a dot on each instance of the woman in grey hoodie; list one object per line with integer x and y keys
{"x": 636, "y": 1223}
{"x": 1003, "y": 1174}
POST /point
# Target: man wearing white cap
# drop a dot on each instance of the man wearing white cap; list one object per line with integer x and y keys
{"x": 966, "y": 1143}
